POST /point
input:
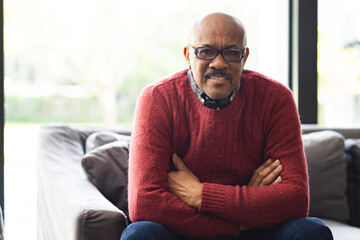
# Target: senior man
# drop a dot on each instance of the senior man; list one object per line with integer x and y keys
{"x": 216, "y": 150}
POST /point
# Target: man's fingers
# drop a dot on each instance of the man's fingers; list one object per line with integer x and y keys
{"x": 264, "y": 165}
{"x": 266, "y": 174}
{"x": 277, "y": 180}
{"x": 262, "y": 174}
{"x": 272, "y": 176}
{"x": 178, "y": 163}
{"x": 254, "y": 179}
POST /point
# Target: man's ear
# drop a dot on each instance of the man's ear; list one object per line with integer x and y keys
{"x": 187, "y": 55}
{"x": 247, "y": 52}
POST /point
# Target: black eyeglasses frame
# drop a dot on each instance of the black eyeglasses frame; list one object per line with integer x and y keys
{"x": 196, "y": 50}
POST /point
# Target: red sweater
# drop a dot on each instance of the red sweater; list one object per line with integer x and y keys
{"x": 222, "y": 148}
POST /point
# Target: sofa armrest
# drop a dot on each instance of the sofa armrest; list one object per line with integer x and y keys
{"x": 69, "y": 206}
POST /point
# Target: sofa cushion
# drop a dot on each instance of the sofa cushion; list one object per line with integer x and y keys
{"x": 106, "y": 167}
{"x": 327, "y": 175}
{"x": 352, "y": 147}
{"x": 100, "y": 138}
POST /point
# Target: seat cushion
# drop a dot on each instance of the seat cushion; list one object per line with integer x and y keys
{"x": 342, "y": 231}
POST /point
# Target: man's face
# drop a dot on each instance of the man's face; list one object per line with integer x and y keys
{"x": 217, "y": 77}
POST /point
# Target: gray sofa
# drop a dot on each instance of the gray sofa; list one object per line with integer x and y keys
{"x": 82, "y": 180}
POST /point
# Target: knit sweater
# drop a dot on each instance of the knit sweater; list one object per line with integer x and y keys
{"x": 222, "y": 148}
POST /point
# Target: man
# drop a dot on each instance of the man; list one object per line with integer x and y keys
{"x": 207, "y": 145}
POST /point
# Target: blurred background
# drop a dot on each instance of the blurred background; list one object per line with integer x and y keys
{"x": 85, "y": 62}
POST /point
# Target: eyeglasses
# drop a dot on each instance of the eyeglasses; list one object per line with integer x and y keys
{"x": 209, "y": 53}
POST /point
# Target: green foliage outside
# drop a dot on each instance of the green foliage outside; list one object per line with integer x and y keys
{"x": 61, "y": 109}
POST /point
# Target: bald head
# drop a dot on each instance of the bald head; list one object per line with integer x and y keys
{"x": 219, "y": 25}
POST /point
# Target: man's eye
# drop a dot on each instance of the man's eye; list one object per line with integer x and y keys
{"x": 206, "y": 51}
{"x": 232, "y": 53}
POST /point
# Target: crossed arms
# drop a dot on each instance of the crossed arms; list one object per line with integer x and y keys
{"x": 186, "y": 186}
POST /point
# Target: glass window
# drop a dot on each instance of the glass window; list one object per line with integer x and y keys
{"x": 339, "y": 62}
{"x": 86, "y": 61}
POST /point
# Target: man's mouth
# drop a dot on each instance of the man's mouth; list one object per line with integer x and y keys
{"x": 218, "y": 78}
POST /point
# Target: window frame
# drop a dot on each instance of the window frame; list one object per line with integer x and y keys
{"x": 303, "y": 17}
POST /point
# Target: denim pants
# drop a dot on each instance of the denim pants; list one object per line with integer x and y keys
{"x": 298, "y": 228}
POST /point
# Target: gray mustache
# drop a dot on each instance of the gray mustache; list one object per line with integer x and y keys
{"x": 212, "y": 73}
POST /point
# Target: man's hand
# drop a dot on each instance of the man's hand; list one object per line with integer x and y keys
{"x": 268, "y": 173}
{"x": 184, "y": 184}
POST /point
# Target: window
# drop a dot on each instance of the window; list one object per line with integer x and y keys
{"x": 339, "y": 62}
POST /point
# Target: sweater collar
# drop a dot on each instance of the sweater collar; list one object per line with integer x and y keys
{"x": 208, "y": 101}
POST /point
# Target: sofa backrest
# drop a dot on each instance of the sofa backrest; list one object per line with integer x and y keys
{"x": 347, "y": 132}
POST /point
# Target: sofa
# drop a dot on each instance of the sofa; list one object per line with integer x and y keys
{"x": 82, "y": 180}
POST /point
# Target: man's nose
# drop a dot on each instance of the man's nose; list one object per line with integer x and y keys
{"x": 218, "y": 63}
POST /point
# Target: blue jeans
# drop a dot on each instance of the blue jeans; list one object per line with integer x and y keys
{"x": 298, "y": 228}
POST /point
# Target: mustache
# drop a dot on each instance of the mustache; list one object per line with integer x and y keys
{"x": 216, "y": 72}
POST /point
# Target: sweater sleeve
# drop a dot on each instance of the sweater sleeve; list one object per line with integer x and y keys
{"x": 268, "y": 205}
{"x": 150, "y": 151}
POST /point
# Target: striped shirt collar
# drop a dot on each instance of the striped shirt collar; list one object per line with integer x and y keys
{"x": 208, "y": 101}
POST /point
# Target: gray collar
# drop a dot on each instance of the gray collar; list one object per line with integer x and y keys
{"x": 208, "y": 101}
